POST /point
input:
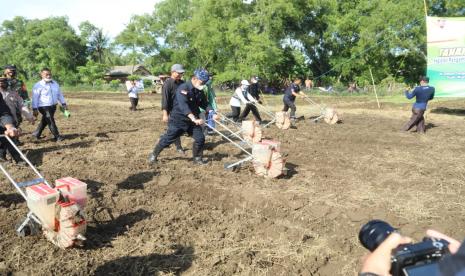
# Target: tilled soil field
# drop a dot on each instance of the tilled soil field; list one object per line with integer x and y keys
{"x": 177, "y": 218}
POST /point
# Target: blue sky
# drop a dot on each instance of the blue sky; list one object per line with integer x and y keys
{"x": 111, "y": 15}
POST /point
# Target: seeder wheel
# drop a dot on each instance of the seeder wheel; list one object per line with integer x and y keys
{"x": 30, "y": 229}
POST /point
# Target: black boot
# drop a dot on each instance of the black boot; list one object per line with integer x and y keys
{"x": 198, "y": 156}
{"x": 293, "y": 126}
{"x": 179, "y": 148}
{"x": 153, "y": 157}
{"x": 17, "y": 157}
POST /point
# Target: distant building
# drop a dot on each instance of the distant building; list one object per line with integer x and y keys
{"x": 123, "y": 72}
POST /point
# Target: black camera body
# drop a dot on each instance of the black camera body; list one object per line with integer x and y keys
{"x": 408, "y": 259}
{"x": 419, "y": 258}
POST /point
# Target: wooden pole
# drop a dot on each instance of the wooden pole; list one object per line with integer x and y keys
{"x": 374, "y": 86}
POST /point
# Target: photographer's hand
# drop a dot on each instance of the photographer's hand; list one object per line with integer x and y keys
{"x": 379, "y": 261}
{"x": 453, "y": 243}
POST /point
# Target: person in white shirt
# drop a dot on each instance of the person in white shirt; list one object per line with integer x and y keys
{"x": 133, "y": 91}
{"x": 45, "y": 96}
{"x": 236, "y": 100}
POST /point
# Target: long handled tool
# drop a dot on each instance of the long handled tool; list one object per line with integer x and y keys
{"x": 330, "y": 115}
{"x": 237, "y": 126}
{"x": 321, "y": 107}
{"x": 21, "y": 186}
{"x": 238, "y": 145}
{"x": 265, "y": 110}
{"x": 265, "y": 156}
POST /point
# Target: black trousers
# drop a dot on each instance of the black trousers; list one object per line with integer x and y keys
{"x": 289, "y": 104}
{"x": 417, "y": 120}
{"x": 175, "y": 131}
{"x": 234, "y": 115}
{"x": 5, "y": 147}
{"x": 134, "y": 102}
{"x": 250, "y": 107}
{"x": 48, "y": 119}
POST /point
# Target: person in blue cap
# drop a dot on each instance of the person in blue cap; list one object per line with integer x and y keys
{"x": 184, "y": 117}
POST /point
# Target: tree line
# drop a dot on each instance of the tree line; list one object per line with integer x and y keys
{"x": 329, "y": 41}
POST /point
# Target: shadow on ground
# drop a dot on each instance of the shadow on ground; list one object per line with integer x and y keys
{"x": 153, "y": 264}
{"x": 103, "y": 233}
{"x": 449, "y": 111}
{"x": 136, "y": 181}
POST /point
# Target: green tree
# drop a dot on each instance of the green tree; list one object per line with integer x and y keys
{"x": 33, "y": 44}
{"x": 92, "y": 72}
{"x": 97, "y": 43}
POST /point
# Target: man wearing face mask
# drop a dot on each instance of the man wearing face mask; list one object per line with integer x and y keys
{"x": 45, "y": 96}
{"x": 15, "y": 105}
{"x": 237, "y": 98}
{"x": 14, "y": 83}
{"x": 211, "y": 98}
{"x": 184, "y": 117}
{"x": 249, "y": 102}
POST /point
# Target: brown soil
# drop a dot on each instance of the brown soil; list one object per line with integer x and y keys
{"x": 184, "y": 219}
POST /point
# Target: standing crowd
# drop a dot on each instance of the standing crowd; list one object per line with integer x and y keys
{"x": 188, "y": 108}
{"x": 15, "y": 104}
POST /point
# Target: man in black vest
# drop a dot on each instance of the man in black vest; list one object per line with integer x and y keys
{"x": 167, "y": 97}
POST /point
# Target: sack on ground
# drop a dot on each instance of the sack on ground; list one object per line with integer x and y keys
{"x": 251, "y": 132}
{"x": 283, "y": 120}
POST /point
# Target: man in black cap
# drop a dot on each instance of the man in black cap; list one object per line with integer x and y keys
{"x": 7, "y": 127}
{"x": 14, "y": 83}
{"x": 167, "y": 97}
{"x": 15, "y": 104}
{"x": 254, "y": 88}
{"x": 422, "y": 94}
{"x": 184, "y": 117}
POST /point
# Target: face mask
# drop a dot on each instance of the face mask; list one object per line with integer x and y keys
{"x": 199, "y": 87}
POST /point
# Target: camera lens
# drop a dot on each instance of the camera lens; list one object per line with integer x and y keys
{"x": 374, "y": 233}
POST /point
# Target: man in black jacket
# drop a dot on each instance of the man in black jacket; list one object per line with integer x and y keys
{"x": 167, "y": 97}
{"x": 7, "y": 127}
{"x": 184, "y": 117}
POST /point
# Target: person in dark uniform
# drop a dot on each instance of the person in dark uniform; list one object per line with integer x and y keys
{"x": 14, "y": 83}
{"x": 7, "y": 127}
{"x": 184, "y": 117}
{"x": 291, "y": 92}
{"x": 15, "y": 104}
{"x": 167, "y": 97}
{"x": 423, "y": 94}
{"x": 254, "y": 88}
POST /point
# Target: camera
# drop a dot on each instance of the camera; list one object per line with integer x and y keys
{"x": 408, "y": 259}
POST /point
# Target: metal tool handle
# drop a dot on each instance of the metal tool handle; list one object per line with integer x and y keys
{"x": 27, "y": 161}
{"x": 265, "y": 110}
{"x": 310, "y": 101}
{"x": 227, "y": 138}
